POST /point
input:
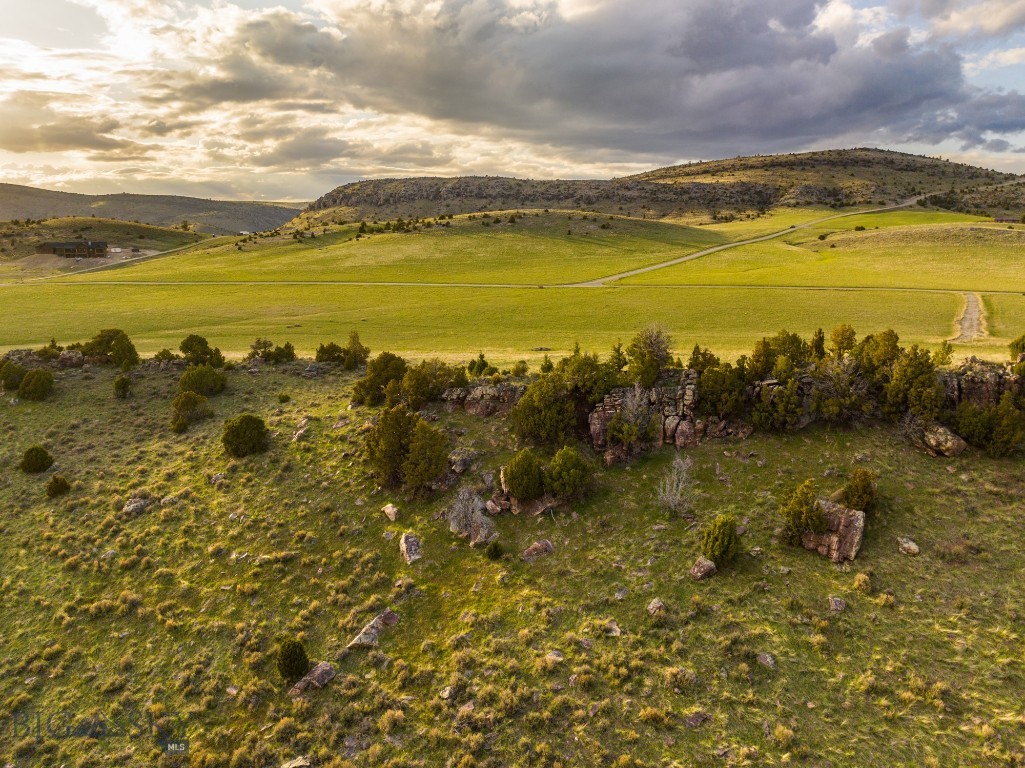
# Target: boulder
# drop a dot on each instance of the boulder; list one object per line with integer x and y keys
{"x": 391, "y": 512}
{"x": 410, "y": 547}
{"x": 461, "y": 460}
{"x": 907, "y": 547}
{"x": 767, "y": 660}
{"x": 656, "y": 607}
{"x": 842, "y": 538}
{"x": 837, "y": 604}
{"x": 322, "y": 674}
{"x": 703, "y": 568}
{"x": 535, "y": 507}
{"x": 940, "y": 441}
{"x": 538, "y": 549}
{"x": 368, "y": 636}
{"x": 467, "y": 518}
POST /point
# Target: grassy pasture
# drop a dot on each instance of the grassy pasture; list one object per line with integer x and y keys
{"x": 420, "y": 321}
{"x": 177, "y": 610}
{"x": 937, "y": 256}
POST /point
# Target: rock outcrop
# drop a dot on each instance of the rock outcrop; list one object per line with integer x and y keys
{"x": 468, "y": 518}
{"x": 980, "y": 382}
{"x": 842, "y": 538}
{"x": 483, "y": 399}
{"x": 937, "y": 440}
{"x": 368, "y": 636}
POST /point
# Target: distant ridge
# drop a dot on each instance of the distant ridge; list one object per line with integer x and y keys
{"x": 219, "y": 217}
{"x": 836, "y": 178}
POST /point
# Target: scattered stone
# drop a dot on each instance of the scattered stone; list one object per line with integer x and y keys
{"x": 409, "y": 546}
{"x": 755, "y": 552}
{"x": 535, "y": 507}
{"x": 697, "y": 719}
{"x": 555, "y": 657}
{"x": 538, "y": 549}
{"x": 322, "y": 674}
{"x": 907, "y": 547}
{"x": 219, "y": 478}
{"x": 389, "y": 535}
{"x": 621, "y": 593}
{"x": 837, "y": 604}
{"x": 391, "y": 512}
{"x": 766, "y": 660}
{"x": 135, "y": 506}
{"x": 612, "y": 629}
{"x": 492, "y": 507}
{"x": 368, "y": 636}
{"x": 446, "y": 693}
{"x": 299, "y": 762}
{"x": 231, "y": 690}
{"x": 842, "y": 538}
{"x": 703, "y": 568}
{"x": 656, "y": 607}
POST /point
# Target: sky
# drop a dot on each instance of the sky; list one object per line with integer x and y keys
{"x": 247, "y": 99}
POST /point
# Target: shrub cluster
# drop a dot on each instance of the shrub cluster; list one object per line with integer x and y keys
{"x": 203, "y": 380}
{"x": 11, "y": 375}
{"x": 111, "y": 345}
{"x": 58, "y": 486}
{"x": 997, "y": 430}
{"x": 859, "y": 492}
{"x": 36, "y": 385}
{"x": 568, "y": 475}
{"x": 404, "y": 450}
{"x": 385, "y": 369}
{"x": 35, "y": 460}
{"x": 351, "y": 356}
{"x": 187, "y": 409}
{"x": 196, "y": 350}
{"x": 266, "y": 350}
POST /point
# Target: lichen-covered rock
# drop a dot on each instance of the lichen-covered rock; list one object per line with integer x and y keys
{"x": 391, "y": 512}
{"x": 468, "y": 518}
{"x": 940, "y": 441}
{"x": 907, "y": 547}
{"x": 703, "y": 568}
{"x": 410, "y": 547}
{"x": 842, "y": 538}
{"x": 316, "y": 678}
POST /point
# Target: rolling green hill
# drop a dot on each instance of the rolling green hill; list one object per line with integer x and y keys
{"x": 221, "y": 217}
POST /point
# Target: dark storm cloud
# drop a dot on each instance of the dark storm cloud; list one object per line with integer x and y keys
{"x": 697, "y": 78}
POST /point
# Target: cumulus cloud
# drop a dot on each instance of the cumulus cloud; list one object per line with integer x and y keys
{"x": 33, "y": 124}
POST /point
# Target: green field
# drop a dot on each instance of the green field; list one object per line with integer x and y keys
{"x": 534, "y": 250}
{"x": 508, "y": 323}
{"x": 176, "y": 611}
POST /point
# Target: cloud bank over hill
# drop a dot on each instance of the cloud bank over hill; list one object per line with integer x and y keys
{"x": 285, "y": 100}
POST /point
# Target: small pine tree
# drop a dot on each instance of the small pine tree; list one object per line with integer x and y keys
{"x": 719, "y": 540}
{"x": 293, "y": 662}
{"x": 860, "y": 491}
{"x": 427, "y": 458}
{"x": 188, "y": 408}
{"x": 524, "y": 476}
{"x": 122, "y": 387}
{"x": 245, "y": 435}
{"x": 802, "y": 512}
{"x": 387, "y": 444}
{"x": 545, "y": 413}
{"x": 11, "y": 375}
